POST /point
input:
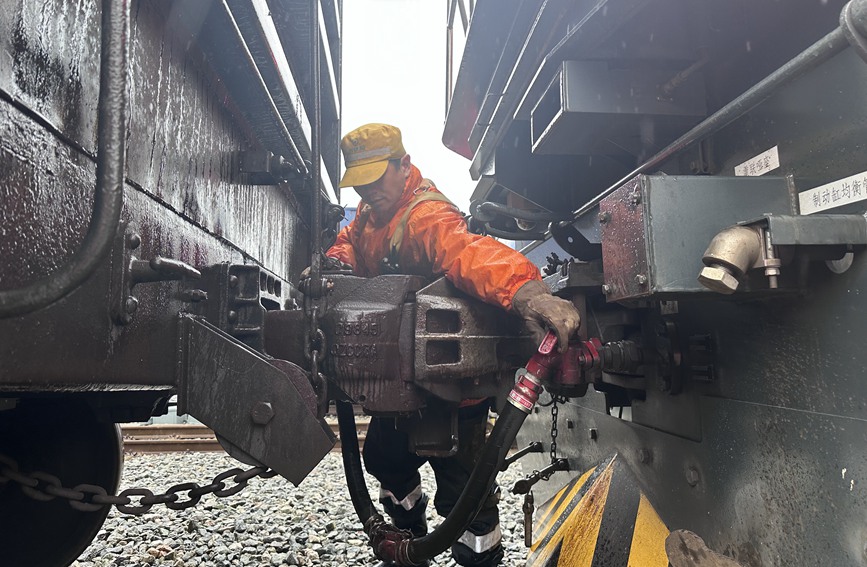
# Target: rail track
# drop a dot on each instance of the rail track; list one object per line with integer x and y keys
{"x": 172, "y": 438}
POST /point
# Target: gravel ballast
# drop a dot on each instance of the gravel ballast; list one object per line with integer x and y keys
{"x": 269, "y": 524}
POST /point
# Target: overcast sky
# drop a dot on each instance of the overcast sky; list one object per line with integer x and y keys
{"x": 394, "y": 72}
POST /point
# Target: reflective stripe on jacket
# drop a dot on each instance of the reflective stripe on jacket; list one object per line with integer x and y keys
{"x": 436, "y": 242}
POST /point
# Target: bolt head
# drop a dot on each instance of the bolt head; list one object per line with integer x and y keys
{"x": 644, "y": 456}
{"x": 133, "y": 241}
{"x": 692, "y": 476}
{"x": 635, "y": 198}
{"x": 641, "y": 279}
{"x": 604, "y": 217}
{"x": 718, "y": 279}
{"x": 130, "y": 305}
{"x": 232, "y": 316}
{"x": 262, "y": 413}
{"x": 606, "y": 289}
{"x": 233, "y": 281}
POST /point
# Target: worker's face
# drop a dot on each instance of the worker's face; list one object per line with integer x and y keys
{"x": 383, "y": 194}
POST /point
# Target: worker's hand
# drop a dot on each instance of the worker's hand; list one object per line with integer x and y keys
{"x": 328, "y": 265}
{"x": 539, "y": 309}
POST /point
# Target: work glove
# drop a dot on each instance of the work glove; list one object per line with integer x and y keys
{"x": 328, "y": 265}
{"x": 539, "y": 309}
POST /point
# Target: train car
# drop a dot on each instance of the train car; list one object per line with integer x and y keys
{"x": 163, "y": 166}
{"x": 690, "y": 174}
{"x": 693, "y": 176}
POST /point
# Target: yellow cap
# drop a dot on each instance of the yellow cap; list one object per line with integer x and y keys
{"x": 366, "y": 151}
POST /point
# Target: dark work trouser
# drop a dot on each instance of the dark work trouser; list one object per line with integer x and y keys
{"x": 387, "y": 457}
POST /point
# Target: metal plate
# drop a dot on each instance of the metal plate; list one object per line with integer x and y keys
{"x": 222, "y": 381}
{"x": 624, "y": 242}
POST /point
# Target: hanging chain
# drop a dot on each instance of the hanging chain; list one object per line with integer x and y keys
{"x": 314, "y": 340}
{"x": 555, "y": 410}
{"x": 89, "y": 498}
{"x": 315, "y": 345}
{"x": 557, "y": 464}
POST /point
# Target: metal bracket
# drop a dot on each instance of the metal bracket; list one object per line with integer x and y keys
{"x": 772, "y": 240}
{"x": 134, "y": 271}
{"x": 814, "y": 230}
{"x": 238, "y": 296}
{"x": 263, "y": 407}
{"x": 261, "y": 167}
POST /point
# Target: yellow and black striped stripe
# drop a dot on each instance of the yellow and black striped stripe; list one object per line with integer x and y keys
{"x": 600, "y": 518}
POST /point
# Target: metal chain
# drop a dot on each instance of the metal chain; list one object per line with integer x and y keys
{"x": 314, "y": 340}
{"x": 315, "y": 343}
{"x": 554, "y": 412}
{"x": 89, "y": 498}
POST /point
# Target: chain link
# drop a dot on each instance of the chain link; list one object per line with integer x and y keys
{"x": 315, "y": 343}
{"x": 89, "y": 498}
{"x": 314, "y": 340}
{"x": 554, "y": 412}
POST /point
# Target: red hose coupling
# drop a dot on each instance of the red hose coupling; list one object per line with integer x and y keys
{"x": 588, "y": 356}
{"x": 525, "y": 393}
{"x": 390, "y": 544}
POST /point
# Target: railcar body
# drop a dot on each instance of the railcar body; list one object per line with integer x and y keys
{"x": 158, "y": 164}
{"x": 710, "y": 159}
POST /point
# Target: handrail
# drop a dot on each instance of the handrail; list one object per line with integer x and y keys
{"x": 110, "y": 165}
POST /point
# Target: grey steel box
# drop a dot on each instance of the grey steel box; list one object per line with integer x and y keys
{"x": 594, "y": 107}
{"x": 656, "y": 228}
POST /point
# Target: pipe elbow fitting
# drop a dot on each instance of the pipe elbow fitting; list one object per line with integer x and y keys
{"x": 730, "y": 254}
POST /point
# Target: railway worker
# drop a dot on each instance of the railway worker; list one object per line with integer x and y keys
{"x": 396, "y": 199}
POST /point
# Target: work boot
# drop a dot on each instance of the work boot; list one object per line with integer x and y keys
{"x": 489, "y": 558}
{"x": 413, "y": 519}
{"x": 490, "y": 549}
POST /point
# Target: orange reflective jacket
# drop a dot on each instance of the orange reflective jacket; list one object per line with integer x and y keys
{"x": 435, "y": 242}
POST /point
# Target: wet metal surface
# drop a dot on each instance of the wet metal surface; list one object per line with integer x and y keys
{"x": 592, "y": 108}
{"x": 182, "y": 140}
{"x": 781, "y": 429}
{"x": 291, "y": 19}
{"x": 754, "y": 466}
{"x": 184, "y": 198}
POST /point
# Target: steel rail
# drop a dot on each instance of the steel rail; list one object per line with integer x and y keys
{"x": 175, "y": 438}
